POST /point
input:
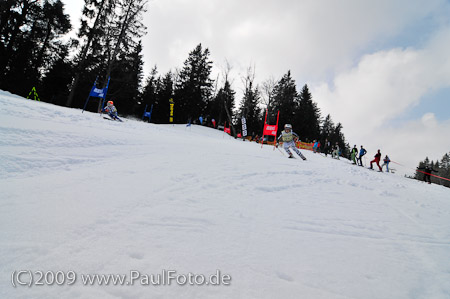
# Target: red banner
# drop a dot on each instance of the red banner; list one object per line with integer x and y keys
{"x": 270, "y": 130}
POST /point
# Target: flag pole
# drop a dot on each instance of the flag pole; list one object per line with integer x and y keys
{"x": 265, "y": 120}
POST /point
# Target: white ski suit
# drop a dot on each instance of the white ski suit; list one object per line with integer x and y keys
{"x": 288, "y": 142}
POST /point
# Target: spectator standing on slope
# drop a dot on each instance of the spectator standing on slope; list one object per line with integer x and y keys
{"x": 362, "y": 152}
{"x": 326, "y": 147}
{"x": 316, "y": 144}
{"x": 386, "y": 161}
{"x": 354, "y": 153}
{"x": 376, "y": 160}
{"x": 335, "y": 153}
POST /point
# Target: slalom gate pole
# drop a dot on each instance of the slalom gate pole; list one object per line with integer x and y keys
{"x": 145, "y": 110}
{"x": 265, "y": 120}
{"x": 274, "y": 142}
{"x": 85, "y": 103}
{"x": 101, "y": 102}
{"x": 280, "y": 151}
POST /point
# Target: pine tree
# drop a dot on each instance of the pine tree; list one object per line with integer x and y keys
{"x": 307, "y": 116}
{"x": 56, "y": 81}
{"x": 327, "y": 129}
{"x": 338, "y": 136}
{"x": 285, "y": 99}
{"x": 126, "y": 81}
{"x": 110, "y": 32}
{"x": 14, "y": 15}
{"x": 157, "y": 92}
{"x": 419, "y": 174}
{"x": 445, "y": 169}
{"x": 216, "y": 110}
{"x": 445, "y": 162}
{"x": 29, "y": 40}
{"x": 86, "y": 61}
{"x": 442, "y": 168}
{"x": 249, "y": 107}
{"x": 126, "y": 29}
{"x": 55, "y": 24}
{"x": 225, "y": 97}
{"x": 164, "y": 94}
{"x": 194, "y": 86}
{"x": 148, "y": 97}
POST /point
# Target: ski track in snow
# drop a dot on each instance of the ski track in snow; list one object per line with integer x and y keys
{"x": 85, "y": 194}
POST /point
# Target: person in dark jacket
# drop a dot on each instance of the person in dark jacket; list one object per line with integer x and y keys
{"x": 326, "y": 147}
{"x": 376, "y": 160}
{"x": 427, "y": 170}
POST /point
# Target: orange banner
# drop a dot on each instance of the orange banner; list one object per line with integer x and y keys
{"x": 305, "y": 145}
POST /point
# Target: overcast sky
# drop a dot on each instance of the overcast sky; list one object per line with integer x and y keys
{"x": 381, "y": 68}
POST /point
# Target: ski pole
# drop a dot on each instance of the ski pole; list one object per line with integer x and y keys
{"x": 280, "y": 151}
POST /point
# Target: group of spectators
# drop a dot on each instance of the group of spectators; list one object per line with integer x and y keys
{"x": 356, "y": 156}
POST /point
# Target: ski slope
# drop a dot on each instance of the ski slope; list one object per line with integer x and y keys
{"x": 82, "y": 194}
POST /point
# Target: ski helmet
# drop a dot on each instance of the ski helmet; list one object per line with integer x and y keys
{"x": 110, "y": 103}
{"x": 288, "y": 126}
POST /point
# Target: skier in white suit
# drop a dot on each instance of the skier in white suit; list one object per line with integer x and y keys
{"x": 288, "y": 137}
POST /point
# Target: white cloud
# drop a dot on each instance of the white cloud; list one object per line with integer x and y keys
{"x": 381, "y": 88}
{"x": 312, "y": 38}
{"x": 429, "y": 120}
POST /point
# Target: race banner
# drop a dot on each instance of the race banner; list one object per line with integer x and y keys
{"x": 270, "y": 130}
{"x": 97, "y": 93}
{"x": 171, "y": 104}
{"x": 244, "y": 126}
{"x": 305, "y": 145}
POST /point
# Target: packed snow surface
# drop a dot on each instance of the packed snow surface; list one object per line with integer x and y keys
{"x": 83, "y": 194}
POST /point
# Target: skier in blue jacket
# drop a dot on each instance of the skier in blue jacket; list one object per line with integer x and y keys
{"x": 362, "y": 152}
{"x": 288, "y": 137}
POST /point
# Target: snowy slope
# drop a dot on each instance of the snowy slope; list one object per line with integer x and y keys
{"x": 99, "y": 197}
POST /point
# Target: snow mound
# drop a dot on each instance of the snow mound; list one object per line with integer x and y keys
{"x": 93, "y": 196}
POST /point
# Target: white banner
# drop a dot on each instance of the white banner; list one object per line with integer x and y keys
{"x": 244, "y": 127}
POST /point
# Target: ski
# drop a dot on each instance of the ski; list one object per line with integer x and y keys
{"x": 113, "y": 119}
